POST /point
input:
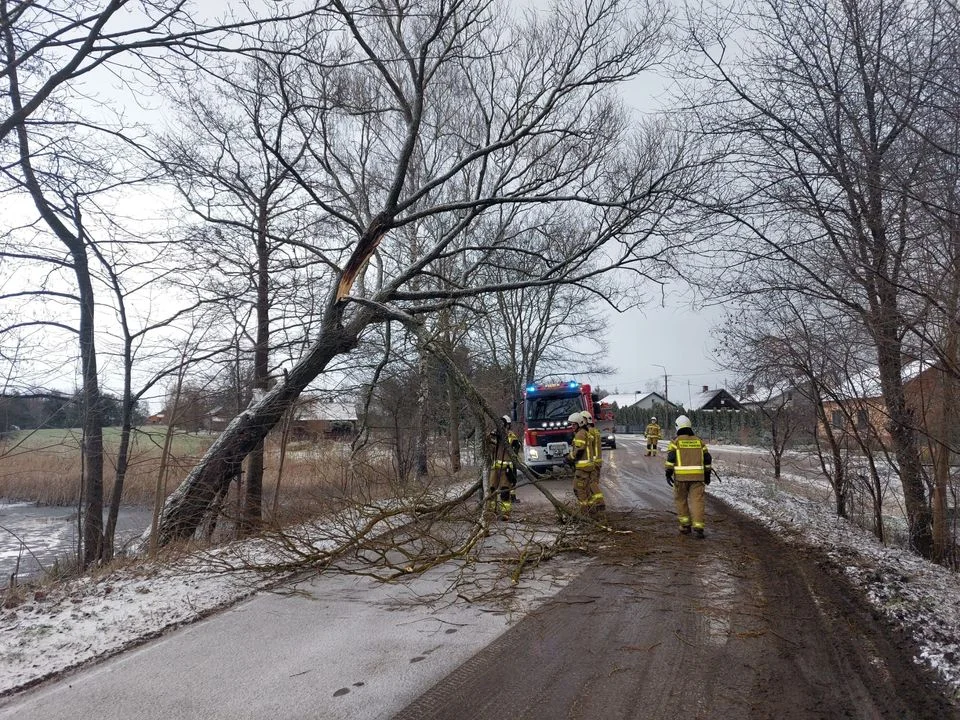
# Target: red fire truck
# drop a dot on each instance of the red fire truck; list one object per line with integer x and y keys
{"x": 547, "y": 434}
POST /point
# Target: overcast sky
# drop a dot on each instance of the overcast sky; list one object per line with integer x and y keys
{"x": 642, "y": 340}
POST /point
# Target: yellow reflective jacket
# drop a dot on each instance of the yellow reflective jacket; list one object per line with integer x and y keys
{"x": 594, "y": 436}
{"x": 580, "y": 451}
{"x": 653, "y": 431}
{"x": 499, "y": 452}
{"x": 689, "y": 458}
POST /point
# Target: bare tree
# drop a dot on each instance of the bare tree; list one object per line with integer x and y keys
{"x": 817, "y": 107}
{"x": 533, "y": 122}
{"x": 223, "y": 158}
{"x": 60, "y": 149}
{"x": 768, "y": 380}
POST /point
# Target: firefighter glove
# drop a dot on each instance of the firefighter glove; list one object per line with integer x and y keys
{"x": 706, "y": 476}
{"x": 670, "y": 479}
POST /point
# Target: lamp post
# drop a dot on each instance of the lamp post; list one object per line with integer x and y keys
{"x": 666, "y": 395}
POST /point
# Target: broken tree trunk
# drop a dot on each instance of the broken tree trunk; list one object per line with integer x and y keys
{"x": 187, "y": 506}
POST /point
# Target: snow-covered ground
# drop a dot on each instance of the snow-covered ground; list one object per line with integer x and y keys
{"x": 44, "y": 632}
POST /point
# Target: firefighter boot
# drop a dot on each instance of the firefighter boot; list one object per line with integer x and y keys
{"x": 685, "y": 530}
{"x": 698, "y": 533}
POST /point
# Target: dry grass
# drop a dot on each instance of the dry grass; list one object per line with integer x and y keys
{"x": 45, "y": 467}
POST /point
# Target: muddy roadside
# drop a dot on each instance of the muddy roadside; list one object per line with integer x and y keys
{"x": 664, "y": 626}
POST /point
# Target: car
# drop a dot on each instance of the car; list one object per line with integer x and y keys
{"x": 608, "y": 440}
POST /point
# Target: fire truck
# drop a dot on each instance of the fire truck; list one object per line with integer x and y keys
{"x": 547, "y": 434}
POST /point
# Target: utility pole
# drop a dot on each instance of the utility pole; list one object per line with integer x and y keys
{"x": 666, "y": 394}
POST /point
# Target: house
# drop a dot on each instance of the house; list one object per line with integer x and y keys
{"x": 217, "y": 419}
{"x": 716, "y": 399}
{"x": 316, "y": 419}
{"x": 158, "y": 419}
{"x": 857, "y": 407}
{"x": 933, "y": 399}
{"x": 780, "y": 395}
{"x": 639, "y": 400}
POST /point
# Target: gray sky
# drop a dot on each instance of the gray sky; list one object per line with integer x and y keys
{"x": 640, "y": 340}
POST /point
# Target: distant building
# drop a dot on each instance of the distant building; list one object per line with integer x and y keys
{"x": 639, "y": 400}
{"x": 716, "y": 399}
{"x": 217, "y": 419}
{"x": 783, "y": 394}
{"x": 316, "y": 419}
{"x": 858, "y": 407}
{"x": 158, "y": 419}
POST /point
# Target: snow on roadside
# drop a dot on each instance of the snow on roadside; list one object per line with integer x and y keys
{"x": 921, "y": 597}
{"x": 67, "y": 625}
{"x": 44, "y": 632}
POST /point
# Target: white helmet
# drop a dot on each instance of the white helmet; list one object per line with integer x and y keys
{"x": 683, "y": 421}
{"x": 653, "y": 419}
{"x": 577, "y": 419}
{"x": 587, "y": 417}
{"x": 506, "y": 419}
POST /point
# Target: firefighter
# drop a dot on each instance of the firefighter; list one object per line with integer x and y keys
{"x": 688, "y": 472}
{"x": 502, "y": 480}
{"x": 596, "y": 495}
{"x": 514, "y": 442}
{"x": 581, "y": 460}
{"x": 653, "y": 437}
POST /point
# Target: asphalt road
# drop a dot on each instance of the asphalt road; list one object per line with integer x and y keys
{"x": 652, "y": 625}
{"x": 663, "y": 626}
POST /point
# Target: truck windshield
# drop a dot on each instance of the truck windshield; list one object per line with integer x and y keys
{"x": 552, "y": 407}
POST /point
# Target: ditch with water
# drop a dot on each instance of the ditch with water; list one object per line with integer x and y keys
{"x": 34, "y": 538}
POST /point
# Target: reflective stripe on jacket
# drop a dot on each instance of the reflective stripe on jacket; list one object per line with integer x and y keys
{"x": 594, "y": 439}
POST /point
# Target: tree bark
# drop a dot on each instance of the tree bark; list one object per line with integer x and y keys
{"x": 92, "y": 416}
{"x": 453, "y": 406}
{"x": 253, "y": 496}
{"x": 187, "y": 506}
{"x": 901, "y": 423}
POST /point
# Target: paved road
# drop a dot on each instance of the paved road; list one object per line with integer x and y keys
{"x": 663, "y": 626}
{"x": 654, "y": 626}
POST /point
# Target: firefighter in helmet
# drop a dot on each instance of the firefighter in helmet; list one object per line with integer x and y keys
{"x": 502, "y": 478}
{"x": 688, "y": 472}
{"x": 593, "y": 434}
{"x": 653, "y": 436}
{"x": 581, "y": 460}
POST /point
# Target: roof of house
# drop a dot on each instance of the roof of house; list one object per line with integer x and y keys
{"x": 768, "y": 395}
{"x": 703, "y": 399}
{"x": 866, "y": 383}
{"x": 317, "y": 409}
{"x": 624, "y": 400}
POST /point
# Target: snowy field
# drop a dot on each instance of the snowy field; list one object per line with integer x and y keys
{"x": 66, "y": 626}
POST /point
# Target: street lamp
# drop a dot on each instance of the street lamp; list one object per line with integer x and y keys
{"x": 666, "y": 395}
